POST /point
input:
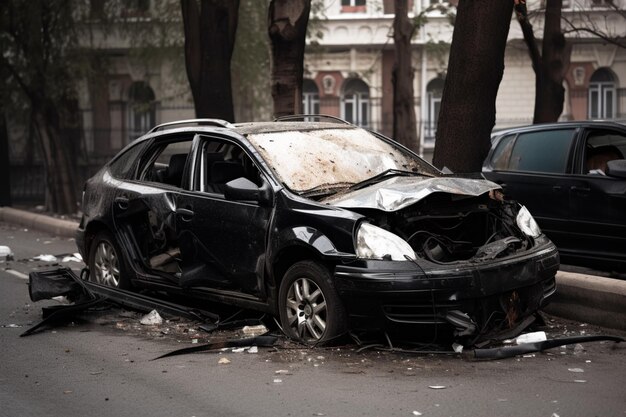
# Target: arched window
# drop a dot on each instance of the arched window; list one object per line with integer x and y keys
{"x": 310, "y": 97}
{"x": 602, "y": 95}
{"x": 434, "y": 90}
{"x": 356, "y": 102}
{"x": 142, "y": 109}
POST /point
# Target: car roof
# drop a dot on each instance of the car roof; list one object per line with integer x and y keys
{"x": 572, "y": 124}
{"x": 242, "y": 129}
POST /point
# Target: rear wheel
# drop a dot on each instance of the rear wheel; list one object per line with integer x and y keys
{"x": 310, "y": 309}
{"x": 107, "y": 266}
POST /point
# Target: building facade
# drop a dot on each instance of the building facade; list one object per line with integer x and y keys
{"x": 349, "y": 76}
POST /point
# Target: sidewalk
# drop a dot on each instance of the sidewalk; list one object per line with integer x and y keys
{"x": 586, "y": 298}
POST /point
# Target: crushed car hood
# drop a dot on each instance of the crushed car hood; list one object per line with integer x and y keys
{"x": 397, "y": 193}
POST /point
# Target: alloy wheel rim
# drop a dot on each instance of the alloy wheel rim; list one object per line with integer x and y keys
{"x": 306, "y": 310}
{"x": 107, "y": 271}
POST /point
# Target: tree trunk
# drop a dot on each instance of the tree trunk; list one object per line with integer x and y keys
{"x": 210, "y": 31}
{"x": 550, "y": 66}
{"x": 404, "y": 125}
{"x": 476, "y": 65}
{"x": 555, "y": 56}
{"x": 5, "y": 165}
{"x": 288, "y": 20}
{"x": 60, "y": 176}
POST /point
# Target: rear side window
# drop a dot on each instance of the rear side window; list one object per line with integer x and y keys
{"x": 544, "y": 151}
{"x": 123, "y": 165}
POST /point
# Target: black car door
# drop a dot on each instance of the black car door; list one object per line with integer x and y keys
{"x": 534, "y": 168}
{"x": 144, "y": 209}
{"x": 222, "y": 241}
{"x": 598, "y": 201}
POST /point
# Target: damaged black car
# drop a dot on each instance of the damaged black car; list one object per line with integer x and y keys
{"x": 325, "y": 225}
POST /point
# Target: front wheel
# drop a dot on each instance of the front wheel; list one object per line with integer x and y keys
{"x": 107, "y": 265}
{"x": 310, "y": 309}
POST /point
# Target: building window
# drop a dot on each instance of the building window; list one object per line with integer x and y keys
{"x": 434, "y": 90}
{"x": 356, "y": 102}
{"x": 310, "y": 97}
{"x": 352, "y": 6}
{"x": 602, "y": 95}
{"x": 142, "y": 109}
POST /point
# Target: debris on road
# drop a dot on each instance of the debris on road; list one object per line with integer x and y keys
{"x": 223, "y": 361}
{"x": 45, "y": 258}
{"x": 151, "y": 319}
{"x": 437, "y": 387}
{"x": 531, "y": 338}
{"x": 511, "y": 351}
{"x": 6, "y": 253}
{"x": 254, "y": 330}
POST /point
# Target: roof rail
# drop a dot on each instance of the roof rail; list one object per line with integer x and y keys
{"x": 310, "y": 117}
{"x": 208, "y": 122}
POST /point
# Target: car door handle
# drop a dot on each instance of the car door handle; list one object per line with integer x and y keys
{"x": 122, "y": 202}
{"x": 185, "y": 214}
{"x": 577, "y": 189}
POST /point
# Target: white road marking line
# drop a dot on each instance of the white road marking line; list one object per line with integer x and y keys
{"x": 17, "y": 273}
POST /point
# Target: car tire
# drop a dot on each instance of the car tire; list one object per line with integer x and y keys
{"x": 107, "y": 264}
{"x": 310, "y": 309}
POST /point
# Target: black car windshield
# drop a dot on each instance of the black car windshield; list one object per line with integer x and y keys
{"x": 332, "y": 158}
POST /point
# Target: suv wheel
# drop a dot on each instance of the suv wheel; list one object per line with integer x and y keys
{"x": 310, "y": 309}
{"x": 107, "y": 265}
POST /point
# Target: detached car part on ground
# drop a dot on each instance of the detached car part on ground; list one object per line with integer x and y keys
{"x": 326, "y": 225}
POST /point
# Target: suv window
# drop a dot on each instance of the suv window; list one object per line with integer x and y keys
{"x": 542, "y": 151}
{"x": 602, "y": 147}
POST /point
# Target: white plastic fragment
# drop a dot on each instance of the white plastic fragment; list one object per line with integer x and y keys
{"x": 577, "y": 370}
{"x": 417, "y": 413}
{"x": 531, "y": 337}
{"x": 223, "y": 361}
{"x": 6, "y": 253}
{"x": 253, "y": 349}
{"x": 282, "y": 372}
{"x": 254, "y": 330}
{"x": 582, "y": 381}
{"x": 555, "y": 415}
{"x": 437, "y": 386}
{"x": 278, "y": 381}
{"x": 239, "y": 350}
{"x": 45, "y": 258}
{"x": 151, "y": 319}
{"x": 75, "y": 257}
{"x": 457, "y": 347}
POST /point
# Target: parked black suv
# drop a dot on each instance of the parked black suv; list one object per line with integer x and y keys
{"x": 572, "y": 177}
{"x": 324, "y": 224}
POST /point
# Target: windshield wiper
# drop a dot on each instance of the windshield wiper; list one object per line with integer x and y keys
{"x": 392, "y": 172}
{"x": 325, "y": 189}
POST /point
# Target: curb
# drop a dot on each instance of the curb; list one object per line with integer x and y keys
{"x": 590, "y": 299}
{"x": 586, "y": 298}
{"x": 58, "y": 227}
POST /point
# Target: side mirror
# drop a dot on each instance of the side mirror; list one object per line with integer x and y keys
{"x": 616, "y": 168}
{"x": 242, "y": 189}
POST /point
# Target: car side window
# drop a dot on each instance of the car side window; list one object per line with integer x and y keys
{"x": 502, "y": 154}
{"x": 166, "y": 162}
{"x": 123, "y": 165}
{"x": 222, "y": 162}
{"x": 542, "y": 151}
{"x": 602, "y": 147}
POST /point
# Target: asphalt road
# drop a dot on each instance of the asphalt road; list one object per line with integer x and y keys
{"x": 102, "y": 365}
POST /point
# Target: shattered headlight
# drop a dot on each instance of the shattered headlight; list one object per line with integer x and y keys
{"x": 375, "y": 243}
{"x": 526, "y": 223}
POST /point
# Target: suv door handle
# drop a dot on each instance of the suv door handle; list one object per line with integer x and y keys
{"x": 185, "y": 214}
{"x": 122, "y": 202}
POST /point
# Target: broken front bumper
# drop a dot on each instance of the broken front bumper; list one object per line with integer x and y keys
{"x": 384, "y": 294}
